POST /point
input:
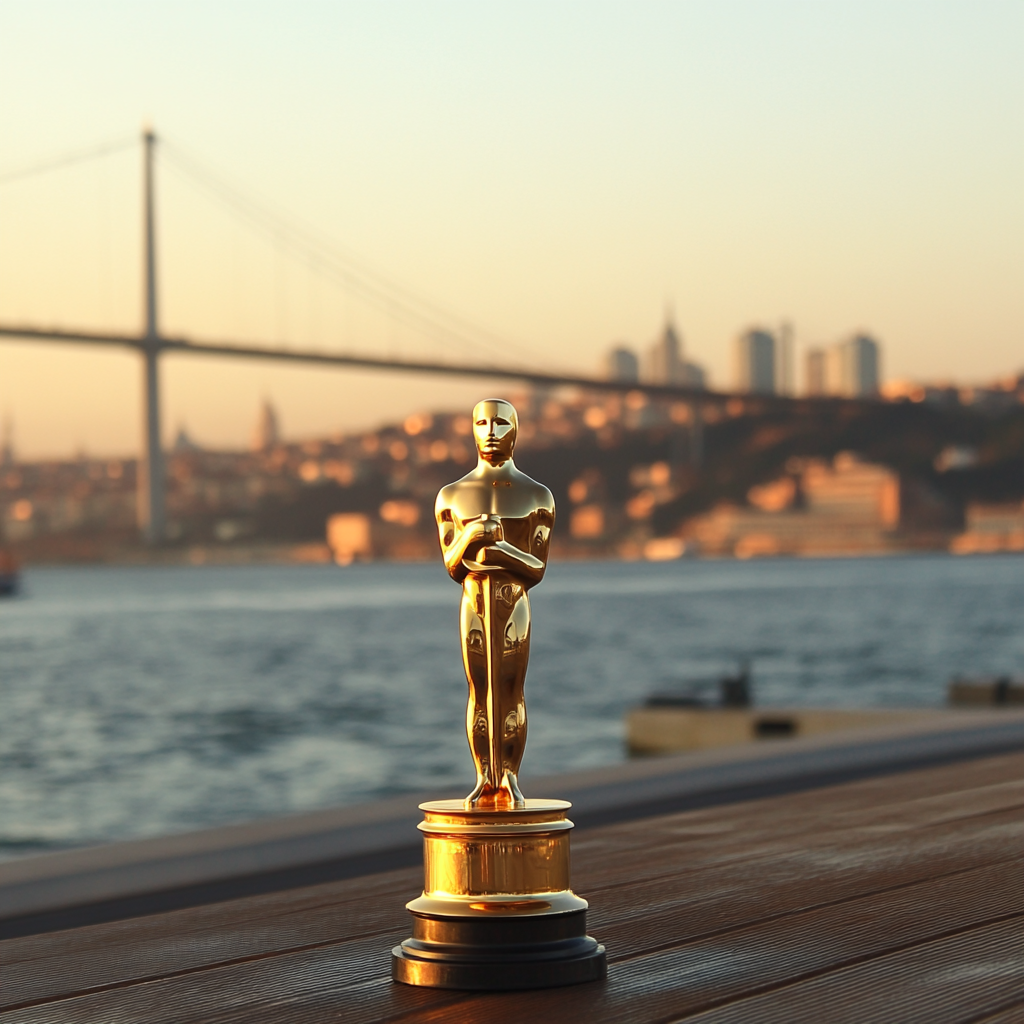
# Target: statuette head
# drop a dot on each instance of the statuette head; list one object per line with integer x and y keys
{"x": 495, "y": 426}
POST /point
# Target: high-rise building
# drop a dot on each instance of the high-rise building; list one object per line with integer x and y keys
{"x": 694, "y": 376}
{"x": 784, "y": 354}
{"x": 7, "y": 443}
{"x": 183, "y": 442}
{"x": 665, "y": 358}
{"x": 836, "y": 370}
{"x": 267, "y": 434}
{"x": 848, "y": 369}
{"x": 622, "y": 364}
{"x": 860, "y": 366}
{"x": 814, "y": 370}
{"x": 755, "y": 362}
{"x": 666, "y": 364}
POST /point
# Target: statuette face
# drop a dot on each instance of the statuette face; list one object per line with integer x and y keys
{"x": 495, "y": 527}
{"x": 495, "y": 426}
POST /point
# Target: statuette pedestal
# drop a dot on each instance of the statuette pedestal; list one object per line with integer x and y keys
{"x": 497, "y": 911}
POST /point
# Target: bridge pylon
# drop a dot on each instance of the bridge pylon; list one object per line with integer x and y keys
{"x": 152, "y": 512}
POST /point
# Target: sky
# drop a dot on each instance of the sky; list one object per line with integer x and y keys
{"x": 559, "y": 175}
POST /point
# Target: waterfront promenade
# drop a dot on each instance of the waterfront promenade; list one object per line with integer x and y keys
{"x": 897, "y": 897}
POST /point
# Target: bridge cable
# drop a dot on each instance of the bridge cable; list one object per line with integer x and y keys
{"x": 323, "y": 258}
{"x": 322, "y": 253}
{"x": 67, "y": 160}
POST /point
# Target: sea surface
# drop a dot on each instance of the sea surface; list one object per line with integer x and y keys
{"x": 144, "y": 701}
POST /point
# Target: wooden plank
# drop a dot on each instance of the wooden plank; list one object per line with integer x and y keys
{"x": 953, "y": 980}
{"x": 702, "y": 902}
{"x": 631, "y": 927}
{"x": 741, "y": 834}
{"x": 300, "y": 986}
{"x": 1009, "y": 1015}
{"x": 348, "y": 982}
{"x": 78, "y": 960}
{"x": 684, "y": 980}
{"x": 806, "y": 855}
{"x": 702, "y": 881}
{"x": 861, "y": 805}
{"x": 712, "y": 897}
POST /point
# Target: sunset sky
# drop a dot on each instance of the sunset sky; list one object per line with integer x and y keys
{"x": 558, "y": 174}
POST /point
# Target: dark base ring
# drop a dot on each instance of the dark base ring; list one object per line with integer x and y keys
{"x": 540, "y": 951}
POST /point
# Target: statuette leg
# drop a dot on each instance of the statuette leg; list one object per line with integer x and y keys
{"x": 495, "y": 626}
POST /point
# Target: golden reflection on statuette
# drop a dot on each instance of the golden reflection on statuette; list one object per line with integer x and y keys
{"x": 495, "y": 527}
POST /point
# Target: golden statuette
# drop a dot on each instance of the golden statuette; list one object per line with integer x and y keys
{"x": 495, "y": 527}
{"x": 497, "y": 911}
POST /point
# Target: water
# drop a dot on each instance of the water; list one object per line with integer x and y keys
{"x": 138, "y": 701}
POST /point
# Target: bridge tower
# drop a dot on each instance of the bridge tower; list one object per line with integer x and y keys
{"x": 151, "y": 505}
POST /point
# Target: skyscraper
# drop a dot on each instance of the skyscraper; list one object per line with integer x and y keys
{"x": 622, "y": 364}
{"x": 664, "y": 358}
{"x": 7, "y": 443}
{"x": 836, "y": 370}
{"x": 849, "y": 369}
{"x": 755, "y": 362}
{"x": 816, "y": 381}
{"x": 267, "y": 434}
{"x": 860, "y": 366}
{"x": 784, "y": 353}
{"x": 666, "y": 364}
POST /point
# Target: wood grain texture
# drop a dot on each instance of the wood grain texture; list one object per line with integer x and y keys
{"x": 892, "y": 899}
{"x": 1009, "y": 1015}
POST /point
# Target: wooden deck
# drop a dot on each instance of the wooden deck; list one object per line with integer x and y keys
{"x": 896, "y": 899}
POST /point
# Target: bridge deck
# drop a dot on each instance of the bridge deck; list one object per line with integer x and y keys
{"x": 895, "y": 899}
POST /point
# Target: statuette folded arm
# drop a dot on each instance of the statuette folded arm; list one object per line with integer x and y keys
{"x": 459, "y": 542}
{"x": 503, "y": 555}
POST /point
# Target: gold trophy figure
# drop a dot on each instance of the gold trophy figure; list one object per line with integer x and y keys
{"x": 497, "y": 911}
{"x": 494, "y": 525}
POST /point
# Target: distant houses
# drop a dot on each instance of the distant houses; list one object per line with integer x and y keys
{"x": 820, "y": 506}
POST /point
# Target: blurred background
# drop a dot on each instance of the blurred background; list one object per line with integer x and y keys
{"x": 750, "y": 272}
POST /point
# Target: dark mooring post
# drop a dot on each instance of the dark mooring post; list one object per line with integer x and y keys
{"x": 151, "y": 465}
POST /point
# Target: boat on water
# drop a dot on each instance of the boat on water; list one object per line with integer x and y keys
{"x": 9, "y": 573}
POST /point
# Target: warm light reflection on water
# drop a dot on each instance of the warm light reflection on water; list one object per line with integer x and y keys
{"x": 143, "y": 701}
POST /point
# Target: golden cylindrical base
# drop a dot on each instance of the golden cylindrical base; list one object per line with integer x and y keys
{"x": 497, "y": 911}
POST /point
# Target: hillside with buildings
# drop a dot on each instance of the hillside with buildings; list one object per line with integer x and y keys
{"x": 632, "y": 477}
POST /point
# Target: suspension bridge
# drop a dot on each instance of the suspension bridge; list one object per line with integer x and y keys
{"x": 152, "y": 343}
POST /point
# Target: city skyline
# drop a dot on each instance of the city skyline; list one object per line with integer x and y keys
{"x": 121, "y": 371}
{"x": 634, "y": 477}
{"x": 555, "y": 178}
